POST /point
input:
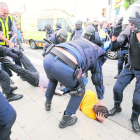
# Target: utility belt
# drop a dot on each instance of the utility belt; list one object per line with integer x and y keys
{"x": 77, "y": 74}
{"x": 123, "y": 49}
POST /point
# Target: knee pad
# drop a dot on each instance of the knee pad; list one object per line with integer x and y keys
{"x": 118, "y": 95}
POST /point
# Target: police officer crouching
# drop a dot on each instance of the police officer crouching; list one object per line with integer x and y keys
{"x": 58, "y": 37}
{"x": 132, "y": 69}
{"x": 65, "y": 63}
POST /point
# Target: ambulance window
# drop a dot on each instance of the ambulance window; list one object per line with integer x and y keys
{"x": 63, "y": 22}
{"x": 42, "y": 22}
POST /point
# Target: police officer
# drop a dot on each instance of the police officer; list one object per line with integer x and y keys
{"x": 93, "y": 36}
{"x": 58, "y": 27}
{"x": 7, "y": 118}
{"x": 76, "y": 33}
{"x": 132, "y": 69}
{"x": 49, "y": 30}
{"x": 59, "y": 37}
{"x": 4, "y": 77}
{"x": 7, "y": 30}
{"x": 65, "y": 63}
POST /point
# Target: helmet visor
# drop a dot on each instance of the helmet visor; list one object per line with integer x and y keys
{"x": 130, "y": 13}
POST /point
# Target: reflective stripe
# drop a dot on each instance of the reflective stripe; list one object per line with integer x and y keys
{"x": 9, "y": 32}
{"x": 5, "y": 29}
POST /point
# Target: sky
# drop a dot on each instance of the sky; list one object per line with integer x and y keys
{"x": 82, "y": 9}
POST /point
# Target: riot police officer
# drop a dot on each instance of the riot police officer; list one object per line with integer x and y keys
{"x": 76, "y": 33}
{"x": 65, "y": 63}
{"x": 132, "y": 69}
{"x": 93, "y": 36}
{"x": 59, "y": 37}
{"x": 58, "y": 27}
{"x": 49, "y": 30}
{"x": 7, "y": 118}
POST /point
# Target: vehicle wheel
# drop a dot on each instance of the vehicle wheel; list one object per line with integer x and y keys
{"x": 33, "y": 44}
{"x": 113, "y": 55}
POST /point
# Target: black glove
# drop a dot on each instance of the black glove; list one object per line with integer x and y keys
{"x": 118, "y": 28}
{"x": 12, "y": 52}
{"x": 136, "y": 21}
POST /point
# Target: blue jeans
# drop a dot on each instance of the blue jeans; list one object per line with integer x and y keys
{"x": 125, "y": 77}
{"x": 56, "y": 71}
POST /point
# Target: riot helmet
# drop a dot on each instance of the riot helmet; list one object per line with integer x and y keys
{"x": 131, "y": 12}
{"x": 61, "y": 35}
{"x": 47, "y": 26}
{"x": 58, "y": 25}
{"x": 89, "y": 32}
{"x": 78, "y": 24}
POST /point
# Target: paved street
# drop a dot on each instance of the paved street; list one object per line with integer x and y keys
{"x": 34, "y": 123}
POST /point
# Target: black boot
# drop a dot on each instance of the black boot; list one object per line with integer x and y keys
{"x": 12, "y": 97}
{"x": 13, "y": 88}
{"x": 115, "y": 109}
{"x": 48, "y": 104}
{"x": 67, "y": 120}
{"x": 135, "y": 123}
{"x": 116, "y": 77}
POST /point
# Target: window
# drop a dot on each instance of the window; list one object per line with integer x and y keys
{"x": 42, "y": 22}
{"x": 63, "y": 22}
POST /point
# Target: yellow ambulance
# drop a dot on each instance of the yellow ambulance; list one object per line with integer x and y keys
{"x": 32, "y": 25}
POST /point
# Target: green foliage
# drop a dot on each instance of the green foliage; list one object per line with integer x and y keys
{"x": 127, "y": 3}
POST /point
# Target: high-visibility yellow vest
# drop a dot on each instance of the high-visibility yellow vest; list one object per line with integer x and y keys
{"x": 102, "y": 33}
{"x": 5, "y": 29}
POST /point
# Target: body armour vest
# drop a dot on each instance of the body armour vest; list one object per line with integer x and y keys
{"x": 5, "y": 29}
{"x": 53, "y": 39}
{"x": 77, "y": 33}
{"x": 88, "y": 50}
{"x": 134, "y": 52}
{"x": 97, "y": 39}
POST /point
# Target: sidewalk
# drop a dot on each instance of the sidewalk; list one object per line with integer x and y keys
{"x": 35, "y": 123}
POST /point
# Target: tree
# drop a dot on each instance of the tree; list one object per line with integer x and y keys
{"x": 127, "y": 3}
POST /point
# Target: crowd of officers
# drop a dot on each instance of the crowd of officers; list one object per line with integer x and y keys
{"x": 65, "y": 62}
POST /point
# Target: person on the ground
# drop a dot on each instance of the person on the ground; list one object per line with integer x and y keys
{"x": 7, "y": 118}
{"x": 59, "y": 37}
{"x": 132, "y": 68}
{"x": 4, "y": 77}
{"x": 29, "y": 74}
{"x": 7, "y": 31}
{"x": 76, "y": 33}
{"x": 90, "y": 107}
{"x": 65, "y": 63}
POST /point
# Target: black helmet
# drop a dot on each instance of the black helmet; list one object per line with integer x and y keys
{"x": 131, "y": 12}
{"x": 78, "y": 24}
{"x": 58, "y": 25}
{"x": 47, "y": 26}
{"x": 61, "y": 35}
{"x": 89, "y": 32}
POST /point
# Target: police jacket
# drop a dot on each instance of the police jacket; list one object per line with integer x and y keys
{"x": 4, "y": 109}
{"x": 48, "y": 33}
{"x": 76, "y": 33}
{"x": 97, "y": 40}
{"x": 5, "y": 29}
{"x": 134, "y": 48}
{"x": 57, "y": 29}
{"x": 92, "y": 59}
{"x": 53, "y": 39}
